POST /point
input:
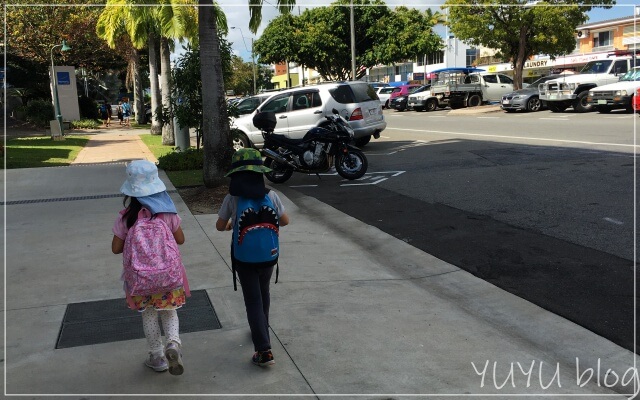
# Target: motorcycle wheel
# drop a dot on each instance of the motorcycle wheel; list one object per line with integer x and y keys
{"x": 279, "y": 173}
{"x": 351, "y": 165}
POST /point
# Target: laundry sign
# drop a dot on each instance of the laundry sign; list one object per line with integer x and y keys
{"x": 536, "y": 64}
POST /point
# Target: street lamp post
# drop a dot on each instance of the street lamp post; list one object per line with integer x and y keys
{"x": 54, "y": 80}
{"x": 253, "y": 62}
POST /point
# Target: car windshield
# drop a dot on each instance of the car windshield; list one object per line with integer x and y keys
{"x": 596, "y": 67}
{"x": 386, "y": 90}
{"x": 543, "y": 79}
{"x": 631, "y": 75}
{"x": 246, "y": 106}
{"x": 419, "y": 89}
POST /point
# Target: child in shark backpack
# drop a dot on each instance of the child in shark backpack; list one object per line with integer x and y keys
{"x": 148, "y": 233}
{"x": 252, "y": 259}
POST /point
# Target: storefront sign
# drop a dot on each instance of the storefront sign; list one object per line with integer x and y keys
{"x": 536, "y": 64}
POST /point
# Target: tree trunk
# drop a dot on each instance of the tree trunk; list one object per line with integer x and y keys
{"x": 168, "y": 138}
{"x": 519, "y": 60}
{"x": 156, "y": 125}
{"x": 138, "y": 94}
{"x": 217, "y": 149}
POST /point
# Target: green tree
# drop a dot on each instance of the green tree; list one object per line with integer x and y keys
{"x": 518, "y": 30}
{"x": 187, "y": 88}
{"x": 33, "y": 29}
{"x": 320, "y": 37}
{"x": 241, "y": 81}
{"x": 140, "y": 25}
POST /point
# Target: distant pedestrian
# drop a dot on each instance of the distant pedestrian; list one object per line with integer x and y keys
{"x": 105, "y": 113}
{"x": 148, "y": 233}
{"x": 120, "y": 116}
{"x": 126, "y": 111}
{"x": 254, "y": 248}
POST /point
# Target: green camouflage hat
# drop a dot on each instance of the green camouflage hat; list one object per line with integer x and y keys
{"x": 247, "y": 160}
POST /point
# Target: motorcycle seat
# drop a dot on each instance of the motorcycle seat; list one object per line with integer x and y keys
{"x": 284, "y": 139}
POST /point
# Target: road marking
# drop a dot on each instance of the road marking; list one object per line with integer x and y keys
{"x": 613, "y": 221}
{"x": 516, "y": 137}
{"x": 370, "y": 178}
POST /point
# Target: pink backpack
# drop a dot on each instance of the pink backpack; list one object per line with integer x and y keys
{"x": 151, "y": 259}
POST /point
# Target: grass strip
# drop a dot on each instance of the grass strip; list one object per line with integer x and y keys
{"x": 34, "y": 152}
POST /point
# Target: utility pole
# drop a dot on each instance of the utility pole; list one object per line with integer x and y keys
{"x": 353, "y": 44}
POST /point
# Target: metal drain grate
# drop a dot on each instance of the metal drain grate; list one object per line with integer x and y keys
{"x": 93, "y": 197}
{"x": 109, "y": 321}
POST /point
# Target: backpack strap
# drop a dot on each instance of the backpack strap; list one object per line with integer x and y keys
{"x": 233, "y": 269}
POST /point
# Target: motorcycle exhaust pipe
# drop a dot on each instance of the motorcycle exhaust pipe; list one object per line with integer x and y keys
{"x": 277, "y": 157}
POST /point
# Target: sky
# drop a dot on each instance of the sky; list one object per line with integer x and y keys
{"x": 237, "y": 12}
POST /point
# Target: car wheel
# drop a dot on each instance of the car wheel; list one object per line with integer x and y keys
{"x": 474, "y": 100}
{"x": 239, "y": 140}
{"x": 431, "y": 105}
{"x": 361, "y": 142}
{"x": 580, "y": 104}
{"x": 386, "y": 104}
{"x": 534, "y": 104}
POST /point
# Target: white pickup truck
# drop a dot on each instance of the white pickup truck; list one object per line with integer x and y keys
{"x": 616, "y": 95}
{"x": 572, "y": 90}
{"x": 459, "y": 90}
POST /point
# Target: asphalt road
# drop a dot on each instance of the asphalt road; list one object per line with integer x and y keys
{"x": 541, "y": 204}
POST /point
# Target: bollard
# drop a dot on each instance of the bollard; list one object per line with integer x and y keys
{"x": 181, "y": 136}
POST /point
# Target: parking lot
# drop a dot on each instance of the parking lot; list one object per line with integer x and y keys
{"x": 540, "y": 204}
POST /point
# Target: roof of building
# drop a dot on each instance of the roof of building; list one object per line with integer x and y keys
{"x": 610, "y": 21}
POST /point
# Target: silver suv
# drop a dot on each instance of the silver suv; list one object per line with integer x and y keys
{"x": 300, "y": 109}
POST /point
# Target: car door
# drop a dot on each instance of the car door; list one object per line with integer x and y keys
{"x": 279, "y": 105}
{"x": 306, "y": 111}
{"x": 493, "y": 89}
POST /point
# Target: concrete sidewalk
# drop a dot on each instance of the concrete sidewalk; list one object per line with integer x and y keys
{"x": 355, "y": 311}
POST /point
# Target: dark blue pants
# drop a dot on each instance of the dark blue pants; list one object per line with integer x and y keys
{"x": 255, "y": 289}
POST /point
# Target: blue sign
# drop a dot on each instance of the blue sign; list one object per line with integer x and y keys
{"x": 63, "y": 78}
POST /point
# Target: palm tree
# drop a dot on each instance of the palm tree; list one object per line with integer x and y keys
{"x": 120, "y": 16}
{"x": 215, "y": 123}
{"x": 176, "y": 19}
{"x": 112, "y": 28}
{"x": 152, "y": 25}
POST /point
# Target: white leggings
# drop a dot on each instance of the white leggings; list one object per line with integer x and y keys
{"x": 170, "y": 324}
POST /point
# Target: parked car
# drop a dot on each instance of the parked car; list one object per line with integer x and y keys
{"x": 248, "y": 104}
{"x": 300, "y": 109}
{"x": 616, "y": 95}
{"x": 526, "y": 99}
{"x": 384, "y": 93}
{"x": 635, "y": 102}
{"x": 400, "y": 103}
{"x": 402, "y": 90}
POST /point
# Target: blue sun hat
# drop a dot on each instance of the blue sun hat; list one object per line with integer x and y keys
{"x": 144, "y": 184}
{"x": 142, "y": 179}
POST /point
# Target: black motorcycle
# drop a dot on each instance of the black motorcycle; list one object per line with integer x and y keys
{"x": 316, "y": 152}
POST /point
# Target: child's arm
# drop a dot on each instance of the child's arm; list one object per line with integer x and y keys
{"x": 283, "y": 220}
{"x": 178, "y": 235}
{"x": 223, "y": 225}
{"x": 117, "y": 245}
